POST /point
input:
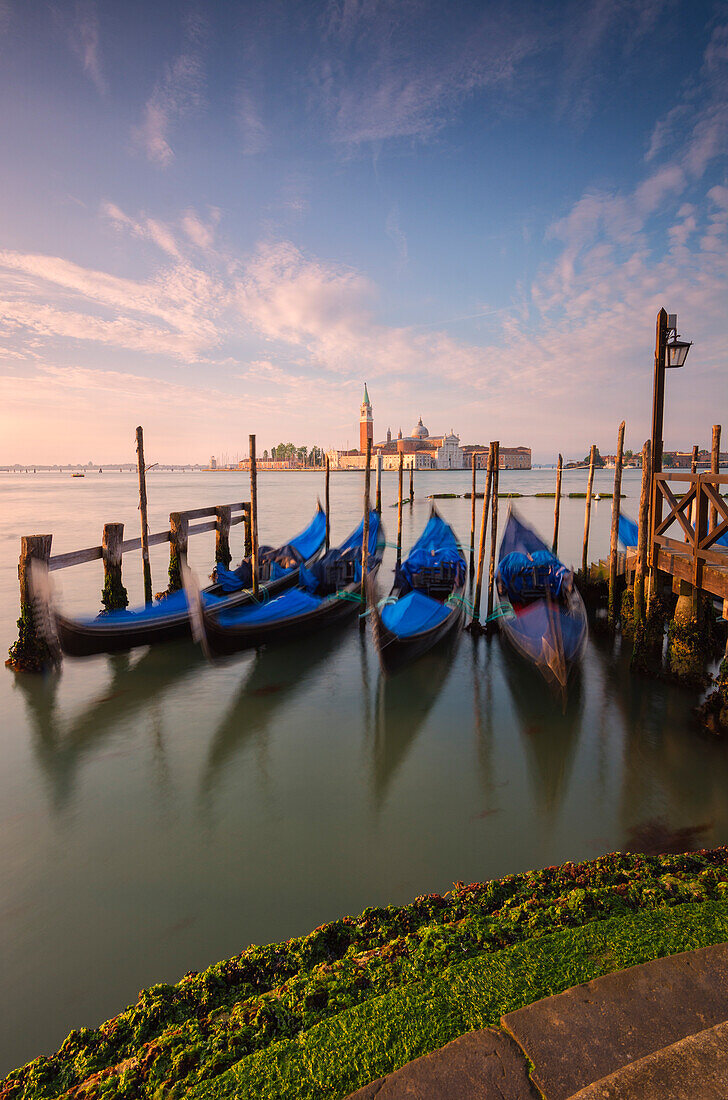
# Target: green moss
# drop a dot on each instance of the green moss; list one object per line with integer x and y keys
{"x": 30, "y": 652}
{"x": 340, "y": 1055}
{"x": 114, "y": 595}
{"x": 175, "y": 572}
{"x": 178, "y": 1035}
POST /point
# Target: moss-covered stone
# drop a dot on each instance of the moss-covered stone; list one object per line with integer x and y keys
{"x": 177, "y": 1036}
{"x": 30, "y": 652}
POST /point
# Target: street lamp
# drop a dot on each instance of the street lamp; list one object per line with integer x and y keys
{"x": 675, "y": 348}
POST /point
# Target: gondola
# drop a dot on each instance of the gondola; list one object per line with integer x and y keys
{"x": 426, "y": 601}
{"x": 326, "y": 593}
{"x": 543, "y": 615}
{"x": 169, "y": 618}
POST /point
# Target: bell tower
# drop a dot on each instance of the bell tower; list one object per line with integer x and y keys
{"x": 366, "y": 422}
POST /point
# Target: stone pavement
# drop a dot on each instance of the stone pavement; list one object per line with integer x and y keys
{"x": 651, "y": 1032}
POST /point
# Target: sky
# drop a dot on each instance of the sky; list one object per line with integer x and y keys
{"x": 223, "y": 218}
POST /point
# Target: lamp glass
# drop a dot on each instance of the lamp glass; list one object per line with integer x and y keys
{"x": 677, "y": 353}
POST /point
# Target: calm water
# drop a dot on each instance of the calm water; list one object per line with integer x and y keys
{"x": 157, "y": 814}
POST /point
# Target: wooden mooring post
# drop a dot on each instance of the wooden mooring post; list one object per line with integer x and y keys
{"x": 714, "y": 469}
{"x": 143, "y": 513}
{"x": 412, "y": 481}
{"x": 365, "y": 537}
{"x": 399, "y": 511}
{"x": 254, "y": 515}
{"x": 472, "y": 518}
{"x": 475, "y": 626}
{"x": 328, "y": 506}
{"x": 643, "y": 524}
{"x": 587, "y": 513}
{"x": 114, "y": 596}
{"x": 178, "y": 542}
{"x": 379, "y": 485}
{"x": 557, "y": 506}
{"x": 30, "y": 653}
{"x": 223, "y": 517}
{"x": 613, "y": 538}
{"x": 493, "y": 528}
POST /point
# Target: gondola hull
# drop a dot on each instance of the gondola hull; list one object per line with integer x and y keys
{"x": 395, "y": 651}
{"x": 165, "y": 621}
{"x": 549, "y": 633}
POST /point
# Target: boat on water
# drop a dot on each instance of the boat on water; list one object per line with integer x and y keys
{"x": 78, "y": 475}
{"x": 543, "y": 614}
{"x": 168, "y": 618}
{"x": 327, "y": 592}
{"x": 426, "y": 600}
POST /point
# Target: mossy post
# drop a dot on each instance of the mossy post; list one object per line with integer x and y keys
{"x": 587, "y": 513}
{"x": 643, "y": 520}
{"x": 399, "y": 510}
{"x": 475, "y": 624}
{"x": 178, "y": 535}
{"x": 254, "y": 514}
{"x": 247, "y": 527}
{"x": 472, "y": 518}
{"x": 114, "y": 596}
{"x": 493, "y": 527}
{"x": 365, "y": 536}
{"x": 30, "y": 653}
{"x": 557, "y": 506}
{"x": 613, "y": 538}
{"x": 142, "y": 470}
{"x": 714, "y": 469}
{"x": 328, "y": 506}
{"x": 412, "y": 481}
{"x": 223, "y": 516}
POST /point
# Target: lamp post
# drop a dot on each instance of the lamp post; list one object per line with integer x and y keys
{"x": 670, "y": 352}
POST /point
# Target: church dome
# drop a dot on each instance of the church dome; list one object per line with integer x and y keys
{"x": 420, "y": 432}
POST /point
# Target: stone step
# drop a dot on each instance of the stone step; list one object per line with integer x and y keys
{"x": 592, "y": 1030}
{"x": 694, "y": 1068}
{"x": 482, "y": 1065}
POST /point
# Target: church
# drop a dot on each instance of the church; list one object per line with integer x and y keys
{"x": 419, "y": 450}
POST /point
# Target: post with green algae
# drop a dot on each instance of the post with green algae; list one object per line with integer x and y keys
{"x": 472, "y": 518}
{"x": 223, "y": 516}
{"x": 714, "y": 469}
{"x": 114, "y": 596}
{"x": 30, "y": 653}
{"x": 379, "y": 485}
{"x": 493, "y": 528}
{"x": 412, "y": 481}
{"x": 365, "y": 537}
{"x": 178, "y": 539}
{"x": 613, "y": 540}
{"x": 475, "y": 626}
{"x": 643, "y": 519}
{"x": 248, "y": 546}
{"x": 399, "y": 511}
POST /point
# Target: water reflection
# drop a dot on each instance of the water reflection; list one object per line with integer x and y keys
{"x": 402, "y": 706}
{"x": 136, "y": 687}
{"x": 549, "y": 734}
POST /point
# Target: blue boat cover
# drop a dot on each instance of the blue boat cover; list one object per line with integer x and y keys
{"x": 527, "y": 574}
{"x": 295, "y": 601}
{"x": 413, "y": 614}
{"x": 311, "y": 540}
{"x": 627, "y": 531}
{"x": 303, "y": 546}
{"x": 319, "y": 576}
{"x": 540, "y": 621}
{"x": 436, "y": 546}
{"x": 174, "y": 604}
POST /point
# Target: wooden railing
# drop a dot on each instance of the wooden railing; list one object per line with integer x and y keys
{"x": 701, "y": 514}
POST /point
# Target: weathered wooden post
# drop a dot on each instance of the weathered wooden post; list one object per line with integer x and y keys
{"x": 643, "y": 524}
{"x": 113, "y": 596}
{"x": 30, "y": 653}
{"x": 557, "y": 506}
{"x": 379, "y": 484}
{"x": 694, "y": 459}
{"x": 412, "y": 481}
{"x": 365, "y": 538}
{"x": 223, "y": 516}
{"x": 475, "y": 624}
{"x": 328, "y": 506}
{"x": 248, "y": 530}
{"x": 472, "y": 518}
{"x": 587, "y": 513}
{"x": 399, "y": 511}
{"x": 178, "y": 540}
{"x": 254, "y": 514}
{"x": 714, "y": 469}
{"x": 613, "y": 549}
{"x": 493, "y": 528}
{"x": 143, "y": 512}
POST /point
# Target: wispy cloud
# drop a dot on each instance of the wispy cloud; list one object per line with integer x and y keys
{"x": 396, "y": 236}
{"x": 253, "y": 134}
{"x": 179, "y": 92}
{"x": 79, "y": 23}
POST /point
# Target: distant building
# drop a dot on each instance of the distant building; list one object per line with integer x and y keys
{"x": 366, "y": 423}
{"x": 213, "y": 463}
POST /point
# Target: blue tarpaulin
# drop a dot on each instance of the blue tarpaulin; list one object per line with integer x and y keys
{"x": 289, "y": 604}
{"x": 303, "y": 546}
{"x": 436, "y": 547}
{"x": 413, "y": 613}
{"x": 627, "y": 531}
{"x": 525, "y": 575}
{"x": 174, "y": 604}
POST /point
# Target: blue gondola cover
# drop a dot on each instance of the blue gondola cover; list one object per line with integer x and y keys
{"x": 413, "y": 613}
